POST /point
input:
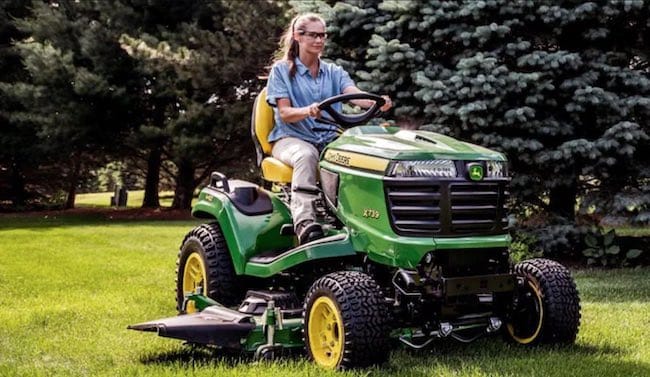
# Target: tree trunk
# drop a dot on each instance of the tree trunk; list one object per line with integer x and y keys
{"x": 17, "y": 186}
{"x": 151, "y": 198}
{"x": 73, "y": 181}
{"x": 185, "y": 185}
{"x": 562, "y": 201}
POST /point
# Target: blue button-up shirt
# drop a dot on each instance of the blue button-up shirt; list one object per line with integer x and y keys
{"x": 303, "y": 90}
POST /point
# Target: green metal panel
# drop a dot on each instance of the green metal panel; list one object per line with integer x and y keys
{"x": 246, "y": 236}
{"x": 394, "y": 144}
{"x": 338, "y": 246}
{"x": 362, "y": 207}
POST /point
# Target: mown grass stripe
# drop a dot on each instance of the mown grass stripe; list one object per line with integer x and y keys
{"x": 70, "y": 286}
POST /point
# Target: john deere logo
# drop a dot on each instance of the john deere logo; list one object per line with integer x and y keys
{"x": 475, "y": 171}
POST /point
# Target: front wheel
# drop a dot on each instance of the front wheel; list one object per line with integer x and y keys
{"x": 346, "y": 321}
{"x": 204, "y": 265}
{"x": 547, "y": 307}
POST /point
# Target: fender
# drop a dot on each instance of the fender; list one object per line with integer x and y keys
{"x": 246, "y": 235}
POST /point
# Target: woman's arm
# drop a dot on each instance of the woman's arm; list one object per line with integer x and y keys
{"x": 290, "y": 114}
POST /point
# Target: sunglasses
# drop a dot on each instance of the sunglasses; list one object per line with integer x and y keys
{"x": 313, "y": 34}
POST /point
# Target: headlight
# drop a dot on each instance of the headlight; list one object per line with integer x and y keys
{"x": 497, "y": 169}
{"x": 427, "y": 168}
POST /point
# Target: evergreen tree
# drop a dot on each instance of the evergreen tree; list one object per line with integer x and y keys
{"x": 206, "y": 65}
{"x": 158, "y": 100}
{"x": 78, "y": 93}
{"x": 17, "y": 150}
{"x": 161, "y": 79}
{"x": 561, "y": 87}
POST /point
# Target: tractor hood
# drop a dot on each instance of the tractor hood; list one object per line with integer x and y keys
{"x": 392, "y": 143}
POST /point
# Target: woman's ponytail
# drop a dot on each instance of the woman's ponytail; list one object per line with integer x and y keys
{"x": 292, "y": 54}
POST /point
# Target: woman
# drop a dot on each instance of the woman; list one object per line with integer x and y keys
{"x": 298, "y": 81}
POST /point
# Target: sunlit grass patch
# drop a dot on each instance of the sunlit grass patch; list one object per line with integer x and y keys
{"x": 71, "y": 285}
{"x": 134, "y": 199}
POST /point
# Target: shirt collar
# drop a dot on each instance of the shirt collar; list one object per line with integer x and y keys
{"x": 303, "y": 70}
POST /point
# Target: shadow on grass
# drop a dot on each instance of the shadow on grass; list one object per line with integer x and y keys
{"x": 493, "y": 357}
{"x": 494, "y": 347}
{"x": 196, "y": 356}
{"x": 484, "y": 357}
{"x": 91, "y": 219}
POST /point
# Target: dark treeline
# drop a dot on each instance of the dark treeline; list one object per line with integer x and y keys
{"x": 561, "y": 87}
{"x": 164, "y": 87}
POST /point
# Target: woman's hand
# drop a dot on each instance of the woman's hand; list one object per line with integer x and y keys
{"x": 313, "y": 110}
{"x": 387, "y": 106}
{"x": 364, "y": 103}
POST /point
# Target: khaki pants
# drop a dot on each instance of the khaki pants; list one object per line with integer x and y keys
{"x": 303, "y": 157}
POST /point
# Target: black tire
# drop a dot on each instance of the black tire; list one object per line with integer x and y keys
{"x": 364, "y": 316}
{"x": 548, "y": 305}
{"x": 207, "y": 244}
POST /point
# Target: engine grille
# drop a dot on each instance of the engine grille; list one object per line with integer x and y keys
{"x": 432, "y": 206}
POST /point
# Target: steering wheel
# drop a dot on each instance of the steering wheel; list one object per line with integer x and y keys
{"x": 350, "y": 120}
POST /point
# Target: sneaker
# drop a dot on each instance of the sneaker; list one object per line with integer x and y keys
{"x": 308, "y": 231}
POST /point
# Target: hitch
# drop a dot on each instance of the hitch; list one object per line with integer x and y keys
{"x": 271, "y": 320}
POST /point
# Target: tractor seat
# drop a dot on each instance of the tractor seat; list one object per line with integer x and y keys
{"x": 273, "y": 170}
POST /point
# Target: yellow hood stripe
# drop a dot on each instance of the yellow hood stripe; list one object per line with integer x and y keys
{"x": 356, "y": 160}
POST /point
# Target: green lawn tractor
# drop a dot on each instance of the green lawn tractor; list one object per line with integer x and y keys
{"x": 415, "y": 249}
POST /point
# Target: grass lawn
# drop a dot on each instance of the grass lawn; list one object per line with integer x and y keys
{"x": 134, "y": 199}
{"x": 69, "y": 286}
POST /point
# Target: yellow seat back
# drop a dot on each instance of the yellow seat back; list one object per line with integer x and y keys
{"x": 261, "y": 125}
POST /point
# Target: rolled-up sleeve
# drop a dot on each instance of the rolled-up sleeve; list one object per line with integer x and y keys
{"x": 344, "y": 79}
{"x": 277, "y": 84}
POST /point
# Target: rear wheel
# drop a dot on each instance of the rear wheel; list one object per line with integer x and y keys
{"x": 548, "y": 306}
{"x": 204, "y": 265}
{"x": 346, "y": 321}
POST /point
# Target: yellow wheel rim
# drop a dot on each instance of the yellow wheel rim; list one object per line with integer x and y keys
{"x": 538, "y": 327}
{"x": 325, "y": 333}
{"x": 194, "y": 277}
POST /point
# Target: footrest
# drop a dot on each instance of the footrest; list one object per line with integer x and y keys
{"x": 267, "y": 257}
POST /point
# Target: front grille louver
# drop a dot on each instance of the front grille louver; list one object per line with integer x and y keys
{"x": 414, "y": 208}
{"x": 430, "y": 206}
{"x": 474, "y": 207}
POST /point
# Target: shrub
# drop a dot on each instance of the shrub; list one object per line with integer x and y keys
{"x": 602, "y": 249}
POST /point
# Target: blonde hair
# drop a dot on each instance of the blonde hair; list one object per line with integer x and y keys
{"x": 289, "y": 48}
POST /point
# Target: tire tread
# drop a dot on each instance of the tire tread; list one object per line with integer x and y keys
{"x": 365, "y": 317}
{"x": 222, "y": 281}
{"x": 560, "y": 298}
